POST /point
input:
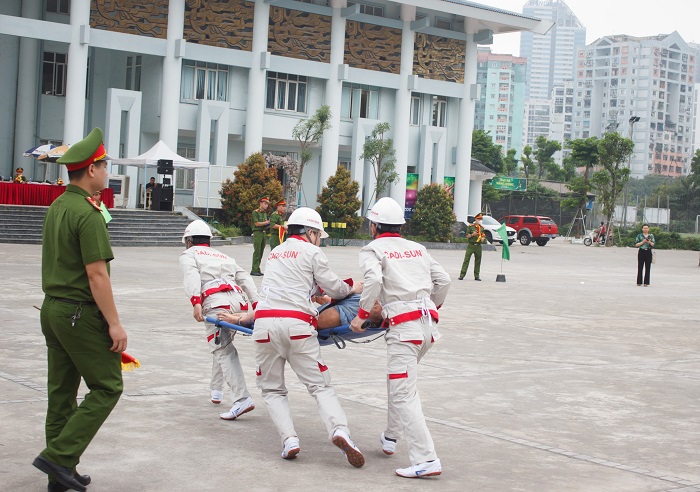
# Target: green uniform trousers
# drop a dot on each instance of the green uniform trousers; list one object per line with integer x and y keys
{"x": 74, "y": 352}
{"x": 274, "y": 239}
{"x": 472, "y": 249}
{"x": 259, "y": 242}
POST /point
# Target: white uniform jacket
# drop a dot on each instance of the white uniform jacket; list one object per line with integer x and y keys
{"x": 295, "y": 270}
{"x": 402, "y": 275}
{"x": 210, "y": 276}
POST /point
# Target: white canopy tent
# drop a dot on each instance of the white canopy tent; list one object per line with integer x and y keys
{"x": 160, "y": 151}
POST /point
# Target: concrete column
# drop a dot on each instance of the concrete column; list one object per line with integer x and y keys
{"x": 172, "y": 71}
{"x": 403, "y": 105}
{"x": 334, "y": 94}
{"x": 464, "y": 143}
{"x": 74, "y": 120}
{"x": 27, "y": 93}
{"x": 256, "y": 80}
{"x": 475, "y": 196}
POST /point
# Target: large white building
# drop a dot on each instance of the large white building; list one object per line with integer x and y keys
{"x": 220, "y": 80}
{"x": 550, "y": 60}
{"x": 644, "y": 88}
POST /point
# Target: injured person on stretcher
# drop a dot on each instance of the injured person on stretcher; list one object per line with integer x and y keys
{"x": 331, "y": 313}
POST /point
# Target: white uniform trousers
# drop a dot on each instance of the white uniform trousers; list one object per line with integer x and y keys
{"x": 281, "y": 340}
{"x": 407, "y": 343}
{"x": 217, "y": 375}
{"x": 226, "y": 356}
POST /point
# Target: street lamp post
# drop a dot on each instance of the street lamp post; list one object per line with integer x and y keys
{"x": 632, "y": 120}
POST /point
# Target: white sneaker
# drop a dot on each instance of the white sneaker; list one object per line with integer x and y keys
{"x": 291, "y": 448}
{"x": 216, "y": 396}
{"x": 348, "y": 448}
{"x": 427, "y": 469}
{"x": 388, "y": 445}
{"x": 244, "y": 405}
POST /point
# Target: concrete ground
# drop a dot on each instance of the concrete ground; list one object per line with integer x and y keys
{"x": 568, "y": 377}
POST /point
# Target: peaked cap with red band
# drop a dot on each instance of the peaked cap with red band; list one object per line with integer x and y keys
{"x": 88, "y": 151}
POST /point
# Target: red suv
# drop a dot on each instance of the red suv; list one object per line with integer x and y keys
{"x": 532, "y": 228}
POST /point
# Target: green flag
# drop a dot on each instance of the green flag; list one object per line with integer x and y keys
{"x": 504, "y": 235}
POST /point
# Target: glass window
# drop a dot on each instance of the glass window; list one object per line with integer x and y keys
{"x": 58, "y": 6}
{"x": 360, "y": 101}
{"x": 53, "y": 77}
{"x": 201, "y": 80}
{"x": 184, "y": 178}
{"x": 133, "y": 73}
{"x": 286, "y": 92}
{"x": 439, "y": 111}
{"x": 415, "y": 109}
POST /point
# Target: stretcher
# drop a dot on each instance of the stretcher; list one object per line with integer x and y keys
{"x": 338, "y": 335}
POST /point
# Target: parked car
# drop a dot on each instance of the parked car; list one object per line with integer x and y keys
{"x": 532, "y": 228}
{"x": 490, "y": 225}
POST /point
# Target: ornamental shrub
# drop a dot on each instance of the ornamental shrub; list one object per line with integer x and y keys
{"x": 433, "y": 216}
{"x": 252, "y": 180}
{"x": 338, "y": 201}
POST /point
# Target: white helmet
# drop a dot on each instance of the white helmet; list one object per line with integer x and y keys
{"x": 197, "y": 228}
{"x": 307, "y": 217}
{"x": 386, "y": 211}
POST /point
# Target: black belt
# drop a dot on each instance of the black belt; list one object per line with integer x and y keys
{"x": 71, "y": 301}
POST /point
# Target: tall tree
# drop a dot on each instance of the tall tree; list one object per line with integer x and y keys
{"x": 308, "y": 132}
{"x": 484, "y": 150}
{"x": 613, "y": 151}
{"x": 584, "y": 154}
{"x": 543, "y": 155}
{"x": 510, "y": 163}
{"x": 379, "y": 151}
{"x": 338, "y": 201}
{"x": 528, "y": 163}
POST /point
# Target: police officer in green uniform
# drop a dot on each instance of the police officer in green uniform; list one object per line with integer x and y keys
{"x": 476, "y": 237}
{"x": 261, "y": 224}
{"x": 277, "y": 222}
{"x": 79, "y": 320}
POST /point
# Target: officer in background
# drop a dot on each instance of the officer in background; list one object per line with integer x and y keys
{"x": 476, "y": 237}
{"x": 84, "y": 337}
{"x": 277, "y": 223}
{"x": 260, "y": 224}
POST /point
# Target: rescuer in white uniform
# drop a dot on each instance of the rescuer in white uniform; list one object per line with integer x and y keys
{"x": 216, "y": 284}
{"x": 410, "y": 285}
{"x": 285, "y": 331}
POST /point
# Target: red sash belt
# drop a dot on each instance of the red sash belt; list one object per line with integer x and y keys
{"x": 286, "y": 313}
{"x": 411, "y": 316}
{"x": 220, "y": 288}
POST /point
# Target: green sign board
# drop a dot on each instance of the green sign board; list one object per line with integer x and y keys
{"x": 506, "y": 183}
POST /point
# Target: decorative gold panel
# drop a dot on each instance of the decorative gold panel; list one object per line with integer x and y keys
{"x": 300, "y": 35}
{"x": 131, "y": 17}
{"x": 439, "y": 58}
{"x": 373, "y": 47}
{"x": 224, "y": 23}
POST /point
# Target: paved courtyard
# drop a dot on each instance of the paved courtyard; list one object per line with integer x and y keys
{"x": 568, "y": 377}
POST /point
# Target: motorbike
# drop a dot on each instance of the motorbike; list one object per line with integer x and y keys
{"x": 594, "y": 237}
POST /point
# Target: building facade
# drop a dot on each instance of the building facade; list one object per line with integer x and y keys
{"x": 561, "y": 115}
{"x": 644, "y": 88}
{"x": 221, "y": 80}
{"x": 501, "y": 107}
{"x": 551, "y": 58}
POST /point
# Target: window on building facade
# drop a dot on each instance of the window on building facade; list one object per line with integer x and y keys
{"x": 369, "y": 9}
{"x": 286, "y": 92}
{"x": 415, "y": 109}
{"x": 133, "y": 73}
{"x": 184, "y": 178}
{"x": 360, "y": 101}
{"x": 201, "y": 80}
{"x": 53, "y": 77}
{"x": 344, "y": 162}
{"x": 439, "y": 111}
{"x": 58, "y": 6}
{"x": 443, "y": 23}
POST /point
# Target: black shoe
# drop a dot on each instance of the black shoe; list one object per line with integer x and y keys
{"x": 59, "y": 487}
{"x": 256, "y": 274}
{"x": 62, "y": 474}
{"x": 477, "y": 279}
{"x": 461, "y": 277}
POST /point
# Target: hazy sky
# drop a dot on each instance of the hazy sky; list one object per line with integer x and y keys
{"x": 605, "y": 17}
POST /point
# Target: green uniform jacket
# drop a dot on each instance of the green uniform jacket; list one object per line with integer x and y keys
{"x": 275, "y": 219}
{"x": 258, "y": 216}
{"x": 480, "y": 238}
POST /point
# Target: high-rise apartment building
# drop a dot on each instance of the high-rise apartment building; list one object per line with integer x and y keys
{"x": 501, "y": 108}
{"x": 644, "y": 88}
{"x": 561, "y": 117}
{"x": 550, "y": 59}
